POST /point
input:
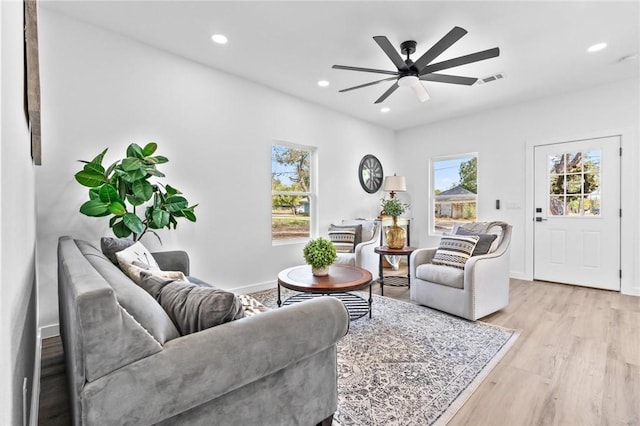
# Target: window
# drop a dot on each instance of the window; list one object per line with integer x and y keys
{"x": 292, "y": 194}
{"x": 454, "y": 190}
{"x": 574, "y": 184}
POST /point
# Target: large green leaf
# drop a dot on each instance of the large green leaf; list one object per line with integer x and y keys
{"x": 133, "y": 222}
{"x": 142, "y": 189}
{"x": 131, "y": 176}
{"x": 189, "y": 215}
{"x": 108, "y": 194}
{"x": 99, "y": 157}
{"x": 149, "y": 149}
{"x": 89, "y": 178}
{"x": 95, "y": 208}
{"x": 176, "y": 203}
{"x": 131, "y": 163}
{"x": 160, "y": 159}
{"x": 155, "y": 172}
{"x": 93, "y": 167}
{"x": 135, "y": 201}
{"x": 120, "y": 230}
{"x": 94, "y": 193}
{"x": 160, "y": 218}
{"x": 134, "y": 150}
{"x": 171, "y": 190}
{"x": 117, "y": 208}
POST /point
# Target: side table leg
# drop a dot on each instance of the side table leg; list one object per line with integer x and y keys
{"x": 409, "y": 271}
{"x": 381, "y": 276}
{"x": 279, "y": 300}
{"x": 370, "y": 300}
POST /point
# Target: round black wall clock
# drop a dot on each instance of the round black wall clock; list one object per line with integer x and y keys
{"x": 370, "y": 173}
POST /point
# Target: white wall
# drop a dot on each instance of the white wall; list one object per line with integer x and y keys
{"x": 17, "y": 225}
{"x": 501, "y": 137}
{"x": 102, "y": 90}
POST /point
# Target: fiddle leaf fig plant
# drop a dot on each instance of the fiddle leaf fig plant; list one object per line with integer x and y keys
{"x": 127, "y": 186}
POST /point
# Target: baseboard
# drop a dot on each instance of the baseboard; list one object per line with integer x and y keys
{"x": 252, "y": 288}
{"x": 50, "y": 330}
{"x": 519, "y": 276}
{"x": 35, "y": 386}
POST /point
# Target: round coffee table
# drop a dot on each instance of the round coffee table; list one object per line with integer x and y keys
{"x": 342, "y": 279}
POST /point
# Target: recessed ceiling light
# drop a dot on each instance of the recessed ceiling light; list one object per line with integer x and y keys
{"x": 596, "y": 47}
{"x": 219, "y": 38}
{"x": 385, "y": 109}
{"x": 323, "y": 83}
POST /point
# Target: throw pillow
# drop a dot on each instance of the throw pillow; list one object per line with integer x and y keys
{"x": 135, "y": 269}
{"x": 455, "y": 250}
{"x": 136, "y": 253}
{"x": 191, "y": 307}
{"x": 345, "y": 238}
{"x": 484, "y": 241}
{"x": 110, "y": 246}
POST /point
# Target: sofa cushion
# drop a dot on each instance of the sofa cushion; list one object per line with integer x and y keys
{"x": 137, "y": 302}
{"x": 136, "y": 253}
{"x": 346, "y": 259}
{"x": 134, "y": 270}
{"x": 345, "y": 238}
{"x": 440, "y": 274}
{"x": 192, "y": 307}
{"x": 455, "y": 250}
{"x": 110, "y": 246}
{"x": 484, "y": 241}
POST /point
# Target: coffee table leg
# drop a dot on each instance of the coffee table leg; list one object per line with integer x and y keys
{"x": 279, "y": 301}
{"x": 370, "y": 300}
{"x": 409, "y": 271}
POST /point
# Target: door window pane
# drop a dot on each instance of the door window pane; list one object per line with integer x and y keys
{"x": 574, "y": 184}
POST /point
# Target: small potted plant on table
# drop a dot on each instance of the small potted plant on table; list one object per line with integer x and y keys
{"x": 320, "y": 254}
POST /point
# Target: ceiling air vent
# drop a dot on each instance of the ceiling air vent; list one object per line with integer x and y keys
{"x": 490, "y": 78}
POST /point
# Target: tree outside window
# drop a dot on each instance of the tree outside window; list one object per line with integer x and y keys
{"x": 291, "y": 195}
{"x": 454, "y": 187}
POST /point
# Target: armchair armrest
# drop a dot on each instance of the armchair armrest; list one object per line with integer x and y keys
{"x": 199, "y": 367}
{"x": 176, "y": 260}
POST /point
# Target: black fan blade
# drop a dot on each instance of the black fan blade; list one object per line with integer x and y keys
{"x": 348, "y": 68}
{"x": 391, "y": 52}
{"x": 462, "y": 60}
{"x": 386, "y": 94}
{"x": 445, "y": 42}
{"x": 445, "y": 78}
{"x": 367, "y": 84}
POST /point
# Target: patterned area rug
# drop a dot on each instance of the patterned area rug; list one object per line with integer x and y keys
{"x": 409, "y": 365}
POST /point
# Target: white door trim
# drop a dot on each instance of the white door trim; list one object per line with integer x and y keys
{"x": 629, "y": 187}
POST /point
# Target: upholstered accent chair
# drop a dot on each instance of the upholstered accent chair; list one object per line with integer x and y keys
{"x": 475, "y": 291}
{"x": 363, "y": 255}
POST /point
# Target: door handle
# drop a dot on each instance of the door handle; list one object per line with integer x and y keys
{"x": 540, "y": 219}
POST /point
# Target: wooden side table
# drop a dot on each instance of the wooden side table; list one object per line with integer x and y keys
{"x": 404, "y": 251}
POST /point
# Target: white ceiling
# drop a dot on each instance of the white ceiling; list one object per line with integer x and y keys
{"x": 289, "y": 46}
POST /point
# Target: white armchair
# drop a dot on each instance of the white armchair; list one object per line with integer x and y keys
{"x": 479, "y": 289}
{"x": 363, "y": 255}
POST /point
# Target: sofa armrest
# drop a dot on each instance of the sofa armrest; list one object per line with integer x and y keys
{"x": 199, "y": 367}
{"x": 176, "y": 260}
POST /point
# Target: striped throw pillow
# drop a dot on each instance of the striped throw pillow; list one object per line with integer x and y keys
{"x": 343, "y": 238}
{"x": 455, "y": 250}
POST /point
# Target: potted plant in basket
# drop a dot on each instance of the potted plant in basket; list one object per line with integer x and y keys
{"x": 320, "y": 254}
{"x": 396, "y": 235}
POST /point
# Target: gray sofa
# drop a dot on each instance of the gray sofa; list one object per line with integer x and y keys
{"x": 127, "y": 364}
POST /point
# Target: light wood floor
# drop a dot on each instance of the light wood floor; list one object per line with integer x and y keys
{"x": 576, "y": 362}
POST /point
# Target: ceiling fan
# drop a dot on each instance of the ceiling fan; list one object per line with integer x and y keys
{"x": 410, "y": 73}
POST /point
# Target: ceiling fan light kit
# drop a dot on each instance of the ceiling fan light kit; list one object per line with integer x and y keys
{"x": 411, "y": 74}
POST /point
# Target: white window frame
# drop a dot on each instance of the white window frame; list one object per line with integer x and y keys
{"x": 311, "y": 195}
{"x": 431, "y": 194}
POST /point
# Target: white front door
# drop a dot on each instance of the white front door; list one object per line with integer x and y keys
{"x": 577, "y": 213}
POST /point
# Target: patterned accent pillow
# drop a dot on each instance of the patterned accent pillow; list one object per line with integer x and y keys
{"x": 136, "y": 253}
{"x": 251, "y": 306}
{"x": 455, "y": 250}
{"x": 345, "y": 238}
{"x": 484, "y": 243}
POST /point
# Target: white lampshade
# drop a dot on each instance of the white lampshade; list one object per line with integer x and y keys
{"x": 394, "y": 184}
